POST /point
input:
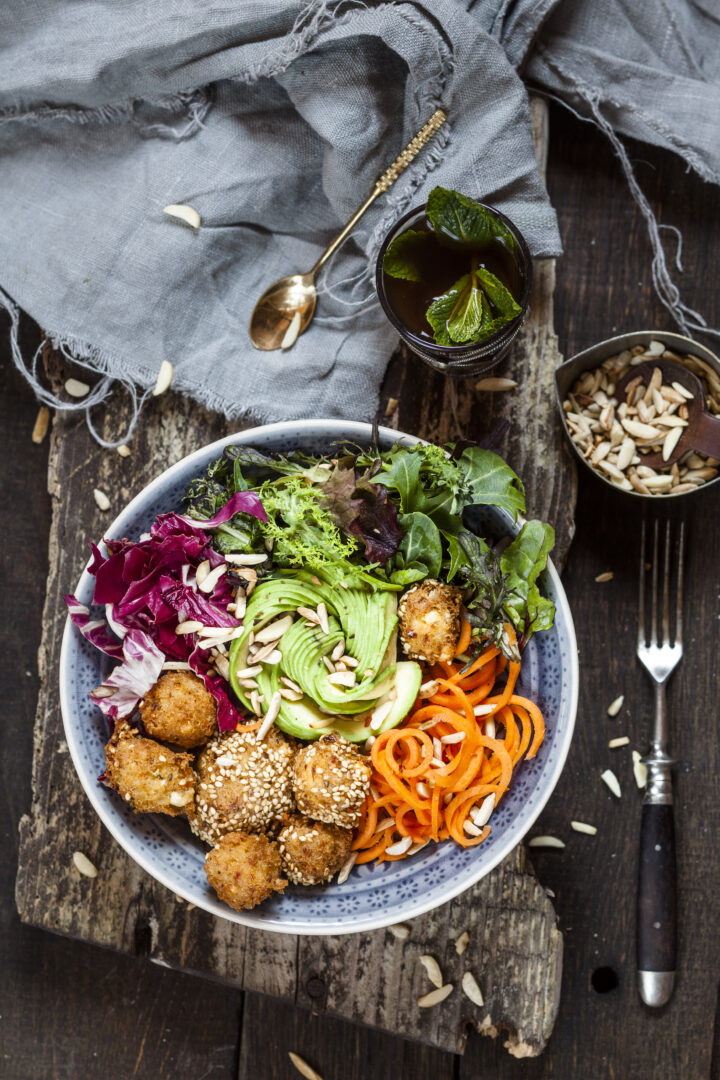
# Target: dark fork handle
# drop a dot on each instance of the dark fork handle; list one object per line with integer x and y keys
{"x": 657, "y": 905}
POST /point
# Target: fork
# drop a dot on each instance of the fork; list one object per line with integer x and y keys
{"x": 657, "y": 904}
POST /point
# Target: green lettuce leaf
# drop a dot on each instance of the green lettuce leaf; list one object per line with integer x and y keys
{"x": 490, "y": 480}
{"x": 421, "y": 543}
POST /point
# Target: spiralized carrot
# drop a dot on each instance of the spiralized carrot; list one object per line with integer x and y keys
{"x": 431, "y": 776}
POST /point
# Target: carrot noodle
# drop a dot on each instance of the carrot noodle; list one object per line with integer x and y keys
{"x": 424, "y": 793}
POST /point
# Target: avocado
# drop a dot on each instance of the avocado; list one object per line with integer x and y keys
{"x": 367, "y": 622}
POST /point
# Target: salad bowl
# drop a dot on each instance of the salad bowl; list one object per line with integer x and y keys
{"x": 374, "y": 895}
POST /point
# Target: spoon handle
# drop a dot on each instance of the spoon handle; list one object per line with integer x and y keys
{"x": 386, "y": 181}
{"x": 411, "y": 151}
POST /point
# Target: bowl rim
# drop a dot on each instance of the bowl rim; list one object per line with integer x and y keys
{"x": 594, "y": 355}
{"x": 336, "y": 429}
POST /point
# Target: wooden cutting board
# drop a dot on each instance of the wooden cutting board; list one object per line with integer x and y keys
{"x": 515, "y": 948}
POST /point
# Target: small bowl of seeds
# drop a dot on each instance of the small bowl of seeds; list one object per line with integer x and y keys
{"x": 631, "y": 408}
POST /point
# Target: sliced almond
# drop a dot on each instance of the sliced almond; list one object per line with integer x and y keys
{"x": 209, "y": 583}
{"x": 482, "y": 815}
{"x": 165, "y": 377}
{"x": 380, "y": 715}
{"x": 248, "y": 672}
{"x": 400, "y": 847}
{"x": 123, "y": 450}
{"x": 270, "y": 716}
{"x": 293, "y": 331}
{"x": 682, "y": 391}
{"x": 347, "y": 867}
{"x": 612, "y": 782}
{"x": 615, "y": 706}
{"x": 607, "y": 576}
{"x": 670, "y": 442}
{"x": 471, "y": 989}
{"x": 432, "y": 968}
{"x": 323, "y": 618}
{"x": 461, "y": 942}
{"x": 451, "y": 740}
{"x": 246, "y": 560}
{"x": 83, "y": 865}
{"x": 492, "y": 385}
{"x": 641, "y": 431}
{"x": 640, "y": 771}
{"x": 303, "y": 1068}
{"x": 274, "y": 630}
{"x": 400, "y": 930}
{"x": 184, "y": 213}
{"x": 435, "y": 996}
{"x": 341, "y": 678}
{"x": 202, "y": 571}
{"x": 42, "y": 422}
{"x": 309, "y": 614}
{"x": 77, "y": 389}
{"x": 189, "y": 626}
{"x": 546, "y": 841}
{"x": 615, "y": 744}
{"x": 583, "y": 827}
{"x": 103, "y": 503}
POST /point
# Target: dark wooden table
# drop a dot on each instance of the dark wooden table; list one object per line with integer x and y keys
{"x": 70, "y": 1010}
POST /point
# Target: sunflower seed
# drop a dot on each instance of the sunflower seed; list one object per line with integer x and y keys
{"x": 471, "y": 989}
{"x": 432, "y": 968}
{"x": 300, "y": 1064}
{"x": 165, "y": 377}
{"x": 323, "y": 618}
{"x": 76, "y": 389}
{"x": 546, "y": 841}
{"x": 461, "y": 942}
{"x": 101, "y": 499}
{"x": 583, "y": 827}
{"x": 42, "y": 422}
{"x": 483, "y": 813}
{"x": 183, "y": 213}
{"x": 346, "y": 868}
{"x": 400, "y": 847}
{"x": 435, "y": 996}
{"x": 83, "y": 864}
{"x": 612, "y": 782}
{"x": 615, "y": 744}
{"x": 615, "y": 706}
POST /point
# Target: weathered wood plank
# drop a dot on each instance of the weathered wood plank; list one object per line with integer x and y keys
{"x": 124, "y": 909}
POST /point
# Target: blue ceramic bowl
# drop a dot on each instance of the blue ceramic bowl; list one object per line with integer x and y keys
{"x": 373, "y": 896}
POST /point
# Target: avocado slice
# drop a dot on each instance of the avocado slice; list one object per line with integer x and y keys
{"x": 365, "y": 619}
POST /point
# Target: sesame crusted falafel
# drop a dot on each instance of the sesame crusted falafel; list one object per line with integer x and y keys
{"x": 148, "y": 776}
{"x": 429, "y": 616}
{"x": 179, "y": 710}
{"x": 312, "y": 851}
{"x": 243, "y": 784}
{"x": 244, "y": 869}
{"x": 330, "y": 780}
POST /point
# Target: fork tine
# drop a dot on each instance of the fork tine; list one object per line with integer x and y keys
{"x": 641, "y": 598}
{"x": 680, "y": 572}
{"x": 654, "y": 612}
{"x": 666, "y": 589}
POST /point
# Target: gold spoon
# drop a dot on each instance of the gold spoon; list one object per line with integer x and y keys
{"x": 285, "y": 310}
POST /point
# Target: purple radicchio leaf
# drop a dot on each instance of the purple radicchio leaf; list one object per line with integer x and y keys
{"x": 242, "y": 502}
{"x": 128, "y": 683}
{"x": 228, "y": 713}
{"x": 95, "y": 630}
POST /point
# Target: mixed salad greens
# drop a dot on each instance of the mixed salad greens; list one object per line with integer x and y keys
{"x": 351, "y": 529}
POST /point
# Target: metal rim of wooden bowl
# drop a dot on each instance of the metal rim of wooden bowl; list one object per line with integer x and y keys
{"x": 567, "y": 373}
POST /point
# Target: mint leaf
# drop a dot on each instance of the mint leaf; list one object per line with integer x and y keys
{"x": 441, "y": 310}
{"x": 467, "y": 317}
{"x": 522, "y": 562}
{"x": 498, "y": 295}
{"x": 463, "y": 219}
{"x": 403, "y": 258}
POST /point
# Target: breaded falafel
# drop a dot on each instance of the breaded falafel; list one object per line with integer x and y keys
{"x": 243, "y": 784}
{"x": 430, "y": 621}
{"x": 179, "y": 710}
{"x": 312, "y": 851}
{"x": 149, "y": 777}
{"x": 244, "y": 869}
{"x": 330, "y": 781}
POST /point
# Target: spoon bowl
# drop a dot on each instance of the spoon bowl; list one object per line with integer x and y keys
{"x": 283, "y": 312}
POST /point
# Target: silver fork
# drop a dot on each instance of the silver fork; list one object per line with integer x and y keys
{"x": 657, "y": 906}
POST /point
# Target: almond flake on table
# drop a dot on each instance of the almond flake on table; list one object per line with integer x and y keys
{"x": 607, "y": 576}
{"x": 303, "y": 1068}
{"x": 400, "y": 930}
{"x": 615, "y": 744}
{"x": 42, "y": 422}
{"x": 181, "y": 212}
{"x": 165, "y": 377}
{"x": 546, "y": 841}
{"x": 461, "y": 942}
{"x": 77, "y": 389}
{"x": 101, "y": 499}
{"x": 583, "y": 827}
{"x": 83, "y": 865}
{"x": 123, "y": 450}
{"x": 471, "y": 989}
{"x": 435, "y": 996}
{"x": 612, "y": 782}
{"x": 615, "y": 706}
{"x": 432, "y": 968}
{"x": 639, "y": 769}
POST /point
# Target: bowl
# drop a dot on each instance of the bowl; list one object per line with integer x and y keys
{"x": 568, "y": 372}
{"x": 373, "y": 896}
{"x": 459, "y": 360}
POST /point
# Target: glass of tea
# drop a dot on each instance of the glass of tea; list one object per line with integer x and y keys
{"x": 457, "y": 298}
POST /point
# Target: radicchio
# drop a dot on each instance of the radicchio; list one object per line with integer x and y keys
{"x": 128, "y": 683}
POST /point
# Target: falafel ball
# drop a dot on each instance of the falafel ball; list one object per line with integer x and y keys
{"x": 330, "y": 780}
{"x": 243, "y": 784}
{"x": 179, "y": 710}
{"x": 150, "y": 778}
{"x": 244, "y": 869}
{"x": 430, "y": 621}
{"x": 312, "y": 851}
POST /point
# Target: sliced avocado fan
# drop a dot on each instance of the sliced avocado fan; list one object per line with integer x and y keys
{"x": 365, "y": 620}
